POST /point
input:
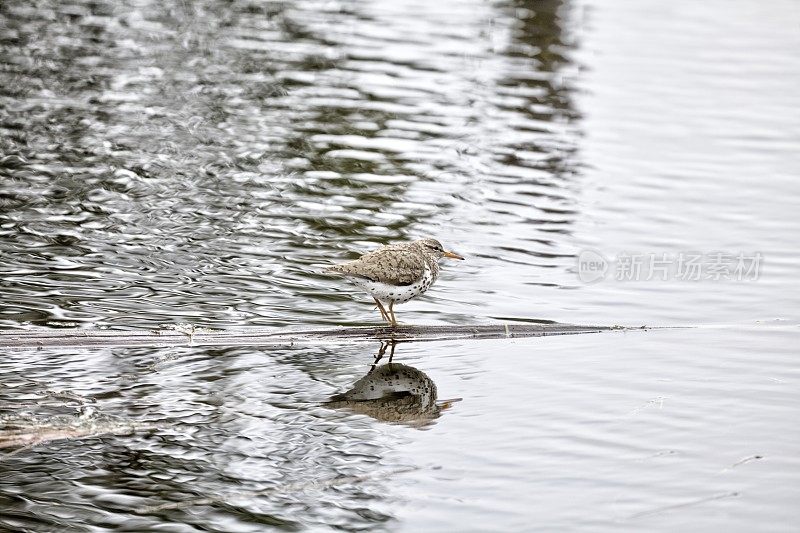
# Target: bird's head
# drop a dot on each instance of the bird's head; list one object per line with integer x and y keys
{"x": 435, "y": 248}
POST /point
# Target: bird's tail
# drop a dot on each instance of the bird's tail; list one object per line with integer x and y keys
{"x": 333, "y": 269}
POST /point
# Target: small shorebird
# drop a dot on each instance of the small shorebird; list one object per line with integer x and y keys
{"x": 396, "y": 273}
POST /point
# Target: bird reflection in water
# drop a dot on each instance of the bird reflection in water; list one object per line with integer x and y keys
{"x": 393, "y": 392}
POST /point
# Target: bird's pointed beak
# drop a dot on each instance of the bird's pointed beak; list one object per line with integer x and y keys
{"x": 453, "y": 255}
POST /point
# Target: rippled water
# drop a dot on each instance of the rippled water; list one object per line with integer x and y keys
{"x": 166, "y": 163}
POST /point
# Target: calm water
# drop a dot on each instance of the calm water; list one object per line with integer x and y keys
{"x": 166, "y": 163}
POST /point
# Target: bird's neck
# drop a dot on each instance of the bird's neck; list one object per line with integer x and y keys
{"x": 433, "y": 265}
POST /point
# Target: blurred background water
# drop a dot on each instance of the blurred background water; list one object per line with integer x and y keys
{"x": 199, "y": 162}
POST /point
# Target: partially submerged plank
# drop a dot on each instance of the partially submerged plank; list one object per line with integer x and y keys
{"x": 184, "y": 335}
{"x": 25, "y": 434}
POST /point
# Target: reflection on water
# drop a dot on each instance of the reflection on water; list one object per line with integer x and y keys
{"x": 393, "y": 392}
{"x": 240, "y": 436}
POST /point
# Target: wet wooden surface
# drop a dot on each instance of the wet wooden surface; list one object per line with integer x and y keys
{"x": 258, "y": 336}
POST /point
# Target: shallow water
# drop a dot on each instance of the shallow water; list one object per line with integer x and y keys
{"x": 199, "y": 163}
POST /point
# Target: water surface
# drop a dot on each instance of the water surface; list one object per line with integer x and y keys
{"x": 200, "y": 163}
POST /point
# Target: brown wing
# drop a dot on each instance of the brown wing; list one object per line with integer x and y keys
{"x": 395, "y": 265}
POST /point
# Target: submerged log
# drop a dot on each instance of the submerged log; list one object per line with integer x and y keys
{"x": 187, "y": 335}
{"x": 26, "y": 434}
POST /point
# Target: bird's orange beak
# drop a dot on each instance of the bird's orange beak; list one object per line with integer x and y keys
{"x": 453, "y": 255}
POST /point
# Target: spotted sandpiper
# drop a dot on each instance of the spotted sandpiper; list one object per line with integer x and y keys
{"x": 396, "y": 273}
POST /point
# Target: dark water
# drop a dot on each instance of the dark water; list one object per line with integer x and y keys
{"x": 171, "y": 163}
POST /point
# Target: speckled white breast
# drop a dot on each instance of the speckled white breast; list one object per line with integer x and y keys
{"x": 396, "y": 293}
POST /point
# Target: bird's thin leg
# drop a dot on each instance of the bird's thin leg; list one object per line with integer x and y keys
{"x": 379, "y": 356}
{"x": 391, "y": 353}
{"x": 393, "y": 321}
{"x": 384, "y": 314}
